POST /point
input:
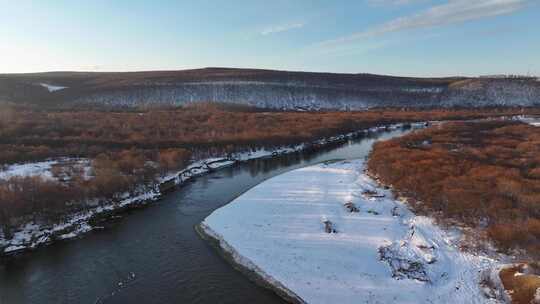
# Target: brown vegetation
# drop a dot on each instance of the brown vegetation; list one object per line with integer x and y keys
{"x": 28, "y": 134}
{"x": 522, "y": 282}
{"x": 481, "y": 174}
{"x": 36, "y": 199}
{"x": 129, "y": 149}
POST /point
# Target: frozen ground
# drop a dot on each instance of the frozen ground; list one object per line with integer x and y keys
{"x": 381, "y": 254}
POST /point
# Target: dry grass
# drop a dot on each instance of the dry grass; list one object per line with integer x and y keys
{"x": 521, "y": 282}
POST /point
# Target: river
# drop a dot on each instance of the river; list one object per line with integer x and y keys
{"x": 154, "y": 255}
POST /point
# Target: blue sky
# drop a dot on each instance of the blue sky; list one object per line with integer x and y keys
{"x": 399, "y": 37}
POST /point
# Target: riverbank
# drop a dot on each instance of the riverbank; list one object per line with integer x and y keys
{"x": 245, "y": 266}
{"x": 481, "y": 176}
{"x": 377, "y": 250}
{"x": 32, "y": 236}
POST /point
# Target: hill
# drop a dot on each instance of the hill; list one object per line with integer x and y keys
{"x": 266, "y": 89}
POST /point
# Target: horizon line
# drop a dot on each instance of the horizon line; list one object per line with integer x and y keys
{"x": 262, "y": 69}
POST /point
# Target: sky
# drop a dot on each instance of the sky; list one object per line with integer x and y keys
{"x": 395, "y": 37}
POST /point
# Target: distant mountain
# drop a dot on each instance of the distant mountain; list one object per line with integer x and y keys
{"x": 267, "y": 89}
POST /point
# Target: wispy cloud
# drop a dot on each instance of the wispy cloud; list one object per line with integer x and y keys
{"x": 282, "y": 28}
{"x": 455, "y": 11}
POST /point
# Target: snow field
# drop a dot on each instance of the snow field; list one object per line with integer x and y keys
{"x": 381, "y": 254}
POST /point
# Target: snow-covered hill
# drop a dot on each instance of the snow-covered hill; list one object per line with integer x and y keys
{"x": 265, "y": 95}
{"x": 304, "y": 97}
{"x": 267, "y": 89}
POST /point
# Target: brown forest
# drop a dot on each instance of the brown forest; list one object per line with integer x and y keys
{"x": 130, "y": 149}
{"x": 485, "y": 175}
{"x": 28, "y": 134}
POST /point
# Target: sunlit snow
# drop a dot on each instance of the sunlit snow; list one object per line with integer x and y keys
{"x": 52, "y": 88}
{"x": 277, "y": 229}
{"x": 533, "y": 121}
{"x": 43, "y": 169}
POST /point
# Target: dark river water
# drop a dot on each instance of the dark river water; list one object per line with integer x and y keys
{"x": 154, "y": 255}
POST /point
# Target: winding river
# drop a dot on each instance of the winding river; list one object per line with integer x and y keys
{"x": 154, "y": 255}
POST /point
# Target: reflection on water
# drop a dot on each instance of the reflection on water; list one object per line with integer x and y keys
{"x": 154, "y": 255}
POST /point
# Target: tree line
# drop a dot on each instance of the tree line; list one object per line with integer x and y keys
{"x": 29, "y": 134}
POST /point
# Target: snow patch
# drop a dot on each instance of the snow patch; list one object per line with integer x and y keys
{"x": 43, "y": 168}
{"x": 52, "y": 88}
{"x": 531, "y": 120}
{"x": 29, "y": 169}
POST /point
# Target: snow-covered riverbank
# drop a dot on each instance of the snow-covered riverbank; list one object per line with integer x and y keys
{"x": 32, "y": 235}
{"x": 533, "y": 121}
{"x": 380, "y": 252}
